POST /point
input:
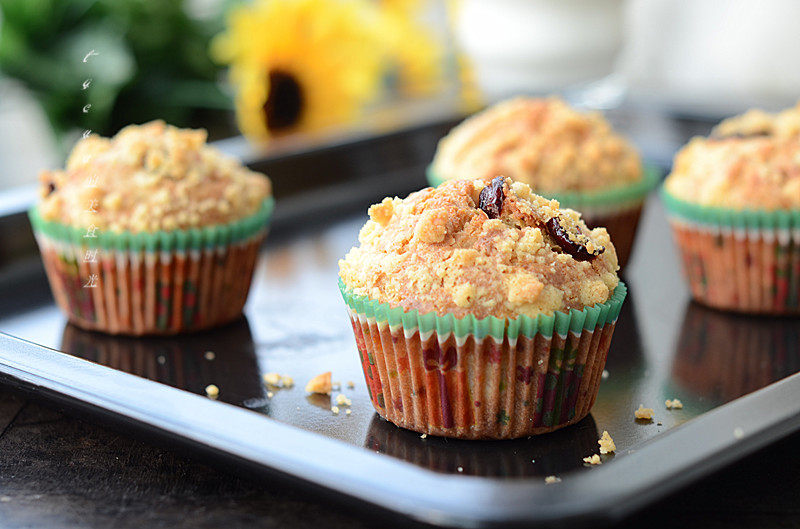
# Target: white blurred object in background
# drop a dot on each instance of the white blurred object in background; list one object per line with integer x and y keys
{"x": 713, "y": 57}
{"x": 26, "y": 139}
{"x": 539, "y": 46}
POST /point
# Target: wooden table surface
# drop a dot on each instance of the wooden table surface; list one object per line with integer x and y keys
{"x": 59, "y": 471}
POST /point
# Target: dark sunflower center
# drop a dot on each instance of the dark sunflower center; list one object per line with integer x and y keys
{"x": 284, "y": 104}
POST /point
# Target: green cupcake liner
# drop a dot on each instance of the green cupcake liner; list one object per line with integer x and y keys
{"x": 547, "y": 325}
{"x": 593, "y": 199}
{"x": 175, "y": 240}
{"x": 728, "y": 217}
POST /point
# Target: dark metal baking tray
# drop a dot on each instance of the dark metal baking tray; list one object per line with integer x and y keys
{"x": 737, "y": 377}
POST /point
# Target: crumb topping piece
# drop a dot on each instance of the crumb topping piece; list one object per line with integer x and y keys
{"x": 542, "y": 142}
{"x": 148, "y": 178}
{"x": 644, "y": 414}
{"x": 320, "y": 384}
{"x": 276, "y": 380}
{"x": 593, "y": 459}
{"x": 606, "y": 443}
{"x": 673, "y": 404}
{"x": 212, "y": 391}
{"x": 439, "y": 250}
{"x": 342, "y": 400}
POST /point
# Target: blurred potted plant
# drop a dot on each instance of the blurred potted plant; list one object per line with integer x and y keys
{"x": 152, "y": 62}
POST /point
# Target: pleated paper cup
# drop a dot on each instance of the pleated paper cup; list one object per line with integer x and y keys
{"x": 617, "y": 209}
{"x": 484, "y": 378}
{"x": 743, "y": 261}
{"x": 151, "y": 283}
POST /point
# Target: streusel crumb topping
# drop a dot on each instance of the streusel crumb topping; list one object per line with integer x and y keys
{"x": 437, "y": 250}
{"x": 147, "y": 178}
{"x": 542, "y": 142}
{"x": 750, "y": 161}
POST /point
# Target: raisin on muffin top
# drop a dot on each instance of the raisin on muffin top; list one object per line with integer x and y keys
{"x": 542, "y": 142}
{"x": 486, "y": 249}
{"x": 750, "y": 162}
{"x": 148, "y": 178}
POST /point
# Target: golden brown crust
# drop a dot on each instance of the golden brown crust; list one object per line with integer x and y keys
{"x": 438, "y": 251}
{"x": 751, "y": 161}
{"x": 147, "y": 178}
{"x": 542, "y": 142}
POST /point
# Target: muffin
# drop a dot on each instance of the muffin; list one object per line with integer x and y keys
{"x": 481, "y": 310}
{"x": 150, "y": 232}
{"x": 574, "y": 157}
{"x": 734, "y": 204}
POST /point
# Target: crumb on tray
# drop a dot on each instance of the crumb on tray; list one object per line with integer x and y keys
{"x": 212, "y": 391}
{"x": 673, "y": 404}
{"x": 644, "y": 414}
{"x": 594, "y": 459}
{"x": 606, "y": 443}
{"x": 320, "y": 384}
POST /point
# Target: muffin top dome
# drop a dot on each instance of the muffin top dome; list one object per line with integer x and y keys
{"x": 486, "y": 249}
{"x": 542, "y": 142}
{"x": 750, "y": 162}
{"x": 148, "y": 178}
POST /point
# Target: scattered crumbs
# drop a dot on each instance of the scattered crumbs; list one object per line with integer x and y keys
{"x": 659, "y": 423}
{"x": 594, "y": 459}
{"x": 606, "y": 443}
{"x": 270, "y": 394}
{"x": 5, "y": 499}
{"x": 276, "y": 380}
{"x": 320, "y": 384}
{"x": 212, "y": 391}
{"x": 336, "y": 385}
{"x": 272, "y": 379}
{"x": 347, "y": 411}
{"x": 605, "y": 373}
{"x": 552, "y": 479}
{"x": 673, "y": 404}
{"x": 738, "y": 433}
{"x": 161, "y": 360}
{"x": 209, "y": 355}
{"x": 351, "y": 384}
{"x": 342, "y": 400}
{"x": 423, "y": 436}
{"x": 335, "y": 410}
{"x": 644, "y": 414}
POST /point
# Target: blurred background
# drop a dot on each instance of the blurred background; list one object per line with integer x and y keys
{"x": 282, "y": 76}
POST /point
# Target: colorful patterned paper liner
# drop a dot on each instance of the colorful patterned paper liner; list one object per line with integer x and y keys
{"x": 744, "y": 261}
{"x": 484, "y": 378}
{"x": 151, "y": 283}
{"x": 618, "y": 209}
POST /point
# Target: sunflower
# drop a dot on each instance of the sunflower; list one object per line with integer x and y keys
{"x": 413, "y": 47}
{"x": 302, "y": 64}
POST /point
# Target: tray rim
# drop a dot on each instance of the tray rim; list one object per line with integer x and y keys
{"x": 421, "y": 494}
